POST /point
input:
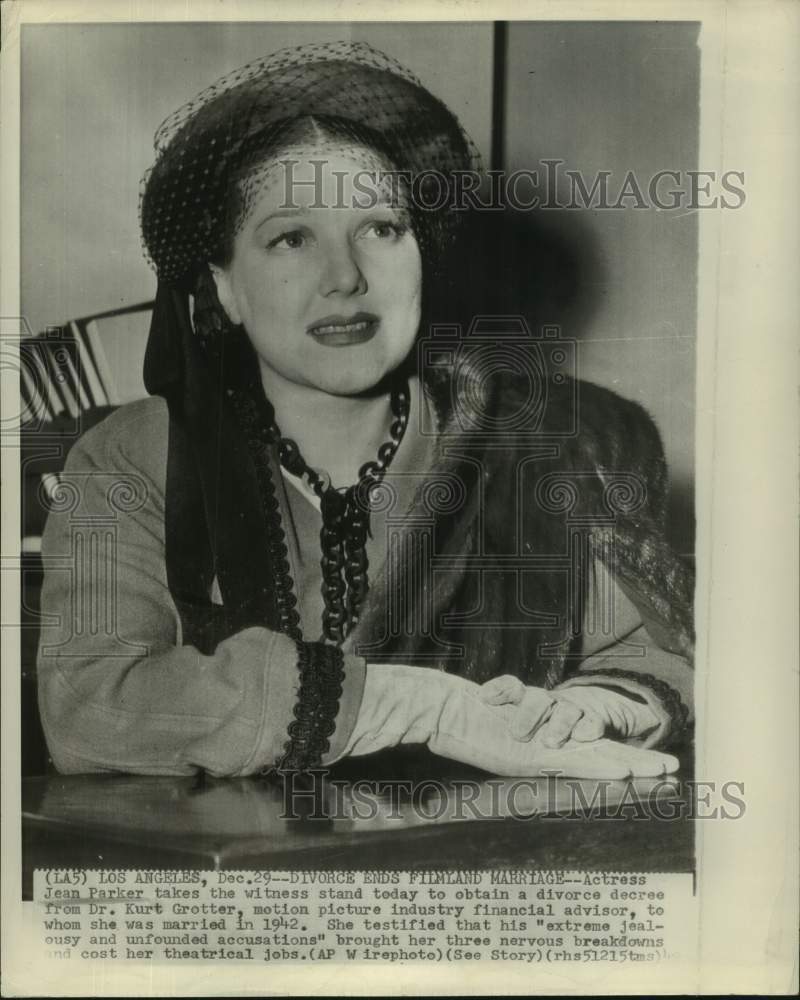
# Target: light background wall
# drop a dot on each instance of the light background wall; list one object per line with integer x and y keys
{"x": 605, "y": 96}
{"x": 621, "y": 97}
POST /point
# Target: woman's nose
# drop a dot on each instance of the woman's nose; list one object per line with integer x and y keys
{"x": 341, "y": 272}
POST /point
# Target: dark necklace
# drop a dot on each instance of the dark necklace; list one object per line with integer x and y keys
{"x": 345, "y": 523}
{"x": 345, "y": 515}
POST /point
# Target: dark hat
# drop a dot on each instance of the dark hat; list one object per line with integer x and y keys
{"x": 204, "y": 146}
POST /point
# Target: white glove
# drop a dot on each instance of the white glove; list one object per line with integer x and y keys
{"x": 404, "y": 704}
{"x": 581, "y": 712}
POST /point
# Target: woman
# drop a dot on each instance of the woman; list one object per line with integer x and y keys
{"x": 323, "y": 515}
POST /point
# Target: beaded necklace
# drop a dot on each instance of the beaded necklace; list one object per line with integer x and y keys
{"x": 345, "y": 515}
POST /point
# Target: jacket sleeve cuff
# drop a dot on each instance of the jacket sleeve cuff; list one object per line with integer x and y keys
{"x": 312, "y": 701}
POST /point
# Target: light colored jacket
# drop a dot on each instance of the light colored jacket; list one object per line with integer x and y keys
{"x": 118, "y": 689}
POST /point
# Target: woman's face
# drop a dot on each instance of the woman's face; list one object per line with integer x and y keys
{"x": 327, "y": 285}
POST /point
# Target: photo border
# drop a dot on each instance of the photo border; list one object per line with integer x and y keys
{"x": 746, "y": 490}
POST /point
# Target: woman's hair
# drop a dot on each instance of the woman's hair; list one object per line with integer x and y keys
{"x": 319, "y": 132}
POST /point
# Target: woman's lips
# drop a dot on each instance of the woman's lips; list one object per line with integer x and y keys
{"x": 341, "y": 331}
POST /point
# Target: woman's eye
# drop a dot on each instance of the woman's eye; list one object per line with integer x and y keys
{"x": 293, "y": 240}
{"x": 385, "y": 230}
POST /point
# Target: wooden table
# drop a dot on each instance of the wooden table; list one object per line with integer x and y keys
{"x": 461, "y": 821}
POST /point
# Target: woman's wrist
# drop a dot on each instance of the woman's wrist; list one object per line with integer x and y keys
{"x": 400, "y": 704}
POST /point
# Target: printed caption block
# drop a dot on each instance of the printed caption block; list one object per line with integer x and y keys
{"x": 373, "y": 916}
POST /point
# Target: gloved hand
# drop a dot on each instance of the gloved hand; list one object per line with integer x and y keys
{"x": 582, "y": 712}
{"x": 404, "y": 704}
